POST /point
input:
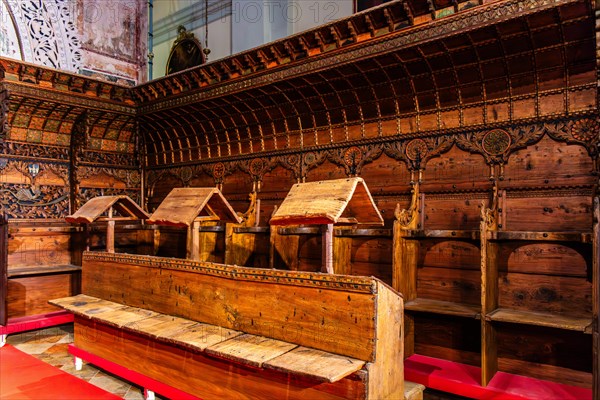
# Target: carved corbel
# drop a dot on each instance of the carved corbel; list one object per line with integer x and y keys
{"x": 410, "y": 218}
{"x": 252, "y": 214}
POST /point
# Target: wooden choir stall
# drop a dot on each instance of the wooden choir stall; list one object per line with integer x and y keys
{"x": 212, "y": 330}
{"x": 109, "y": 210}
{"x": 202, "y": 212}
{"x": 339, "y": 202}
{"x": 184, "y": 327}
{"x": 266, "y": 268}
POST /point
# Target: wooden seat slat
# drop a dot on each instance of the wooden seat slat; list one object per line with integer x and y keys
{"x": 126, "y": 317}
{"x": 163, "y": 326}
{"x": 87, "y": 306}
{"x": 316, "y": 364}
{"x": 250, "y": 349}
{"x": 201, "y": 336}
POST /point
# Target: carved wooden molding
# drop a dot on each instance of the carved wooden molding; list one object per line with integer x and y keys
{"x": 295, "y": 278}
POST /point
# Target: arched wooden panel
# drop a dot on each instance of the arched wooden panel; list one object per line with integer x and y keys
{"x": 450, "y": 271}
{"x": 549, "y": 163}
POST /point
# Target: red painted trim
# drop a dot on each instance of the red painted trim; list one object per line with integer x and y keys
{"x": 131, "y": 376}
{"x": 32, "y": 322}
{"x": 463, "y": 380}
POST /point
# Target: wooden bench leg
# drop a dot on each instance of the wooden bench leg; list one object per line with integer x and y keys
{"x": 148, "y": 394}
{"x": 78, "y": 364}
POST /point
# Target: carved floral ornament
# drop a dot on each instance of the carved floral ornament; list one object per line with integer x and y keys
{"x": 496, "y": 142}
{"x": 586, "y": 130}
{"x": 495, "y": 145}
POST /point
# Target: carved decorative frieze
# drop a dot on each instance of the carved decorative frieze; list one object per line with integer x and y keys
{"x": 33, "y": 151}
{"x": 29, "y": 201}
{"x": 131, "y": 178}
{"x": 295, "y": 278}
{"x": 354, "y": 157}
{"x": 104, "y": 158}
{"x": 3, "y": 113}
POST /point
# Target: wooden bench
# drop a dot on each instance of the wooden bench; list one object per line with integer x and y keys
{"x": 214, "y": 330}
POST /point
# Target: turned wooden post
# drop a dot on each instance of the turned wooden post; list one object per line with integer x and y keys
{"x": 327, "y": 246}
{"x": 193, "y": 241}
{"x": 110, "y": 232}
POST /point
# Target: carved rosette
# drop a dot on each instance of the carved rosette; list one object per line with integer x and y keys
{"x": 186, "y": 174}
{"x": 586, "y": 130}
{"x": 218, "y": 172}
{"x": 416, "y": 151}
{"x": 496, "y": 142}
{"x": 352, "y": 159}
{"x": 311, "y": 160}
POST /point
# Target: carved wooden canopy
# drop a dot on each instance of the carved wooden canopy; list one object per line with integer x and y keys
{"x": 96, "y": 207}
{"x": 413, "y": 67}
{"x": 407, "y": 67}
{"x": 183, "y": 206}
{"x": 328, "y": 202}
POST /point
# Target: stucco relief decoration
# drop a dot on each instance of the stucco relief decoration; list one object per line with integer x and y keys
{"x": 496, "y": 142}
{"x": 50, "y": 33}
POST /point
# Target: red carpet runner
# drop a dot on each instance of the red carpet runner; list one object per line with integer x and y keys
{"x": 25, "y": 377}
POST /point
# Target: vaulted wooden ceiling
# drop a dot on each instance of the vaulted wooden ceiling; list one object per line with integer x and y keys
{"x": 409, "y": 67}
{"x": 398, "y": 69}
{"x": 45, "y": 104}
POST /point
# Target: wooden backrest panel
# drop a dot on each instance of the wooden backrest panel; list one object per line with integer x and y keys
{"x": 332, "y": 313}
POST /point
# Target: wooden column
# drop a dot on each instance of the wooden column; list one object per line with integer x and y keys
{"x": 327, "y": 246}
{"x": 3, "y": 270}
{"x": 405, "y": 260}
{"x": 596, "y": 300}
{"x": 342, "y": 252}
{"x": 193, "y": 241}
{"x": 110, "y": 232}
{"x": 490, "y": 218}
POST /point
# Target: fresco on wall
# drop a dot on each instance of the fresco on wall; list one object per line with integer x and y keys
{"x": 112, "y": 40}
